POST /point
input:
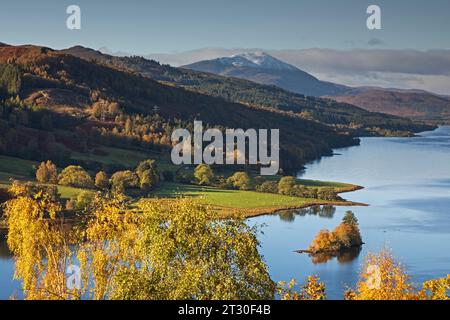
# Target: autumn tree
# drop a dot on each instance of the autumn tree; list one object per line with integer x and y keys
{"x": 171, "y": 251}
{"x": 383, "y": 278}
{"x": 203, "y": 174}
{"x": 102, "y": 180}
{"x": 313, "y": 289}
{"x": 111, "y": 251}
{"x": 83, "y": 200}
{"x": 267, "y": 187}
{"x": 30, "y": 189}
{"x": 350, "y": 218}
{"x": 47, "y": 173}
{"x": 286, "y": 185}
{"x": 345, "y": 235}
{"x": 39, "y": 244}
{"x": 436, "y": 289}
{"x": 194, "y": 257}
{"x": 148, "y": 174}
{"x": 75, "y": 176}
{"x": 239, "y": 180}
{"x": 327, "y": 194}
{"x": 324, "y": 240}
{"x": 123, "y": 180}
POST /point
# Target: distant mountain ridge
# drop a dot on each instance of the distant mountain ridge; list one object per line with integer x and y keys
{"x": 418, "y": 105}
{"x": 343, "y": 115}
{"x": 265, "y": 69}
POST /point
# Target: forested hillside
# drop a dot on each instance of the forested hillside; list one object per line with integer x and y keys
{"x": 343, "y": 115}
{"x": 54, "y": 104}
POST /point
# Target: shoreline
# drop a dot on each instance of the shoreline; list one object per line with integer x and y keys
{"x": 247, "y": 213}
{"x": 253, "y": 213}
{"x": 258, "y": 212}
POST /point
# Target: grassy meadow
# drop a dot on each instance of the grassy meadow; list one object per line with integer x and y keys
{"x": 224, "y": 201}
{"x": 240, "y": 202}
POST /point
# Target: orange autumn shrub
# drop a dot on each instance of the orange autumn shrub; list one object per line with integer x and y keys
{"x": 345, "y": 235}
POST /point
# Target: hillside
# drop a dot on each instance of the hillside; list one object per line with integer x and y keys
{"x": 422, "y": 106}
{"x": 65, "y": 104}
{"x": 343, "y": 115}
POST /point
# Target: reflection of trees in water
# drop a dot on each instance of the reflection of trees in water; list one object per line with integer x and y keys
{"x": 343, "y": 256}
{"x": 287, "y": 215}
{"x": 4, "y": 251}
{"x": 320, "y": 211}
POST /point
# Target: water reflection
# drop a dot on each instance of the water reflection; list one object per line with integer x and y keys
{"x": 4, "y": 251}
{"x": 319, "y": 211}
{"x": 342, "y": 257}
{"x": 406, "y": 182}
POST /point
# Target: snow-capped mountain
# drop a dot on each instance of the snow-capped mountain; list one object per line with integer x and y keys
{"x": 256, "y": 60}
{"x": 265, "y": 69}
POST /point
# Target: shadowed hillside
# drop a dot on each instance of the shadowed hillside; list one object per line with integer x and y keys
{"x": 422, "y": 106}
{"x": 61, "y": 92}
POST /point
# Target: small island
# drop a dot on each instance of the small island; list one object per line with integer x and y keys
{"x": 345, "y": 236}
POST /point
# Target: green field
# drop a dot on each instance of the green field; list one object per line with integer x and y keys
{"x": 247, "y": 203}
{"x": 322, "y": 184}
{"x": 127, "y": 158}
{"x": 316, "y": 183}
{"x": 228, "y": 198}
{"x": 16, "y": 166}
{"x": 69, "y": 192}
{"x": 122, "y": 157}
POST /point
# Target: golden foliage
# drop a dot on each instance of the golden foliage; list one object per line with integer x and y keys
{"x": 196, "y": 257}
{"x": 436, "y": 289}
{"x": 346, "y": 235}
{"x": 38, "y": 243}
{"x": 324, "y": 240}
{"x": 162, "y": 250}
{"x": 391, "y": 282}
{"x": 111, "y": 246}
{"x": 47, "y": 173}
{"x": 313, "y": 289}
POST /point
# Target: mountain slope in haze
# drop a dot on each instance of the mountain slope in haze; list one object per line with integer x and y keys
{"x": 339, "y": 115}
{"x": 265, "y": 69}
{"x": 61, "y": 91}
{"x": 417, "y": 105}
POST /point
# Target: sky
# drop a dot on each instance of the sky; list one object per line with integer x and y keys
{"x": 172, "y": 27}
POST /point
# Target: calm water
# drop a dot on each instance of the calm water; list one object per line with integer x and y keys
{"x": 407, "y": 184}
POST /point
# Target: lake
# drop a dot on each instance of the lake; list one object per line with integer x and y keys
{"x": 407, "y": 185}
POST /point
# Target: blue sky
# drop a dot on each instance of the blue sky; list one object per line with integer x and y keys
{"x": 327, "y": 38}
{"x": 165, "y": 26}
